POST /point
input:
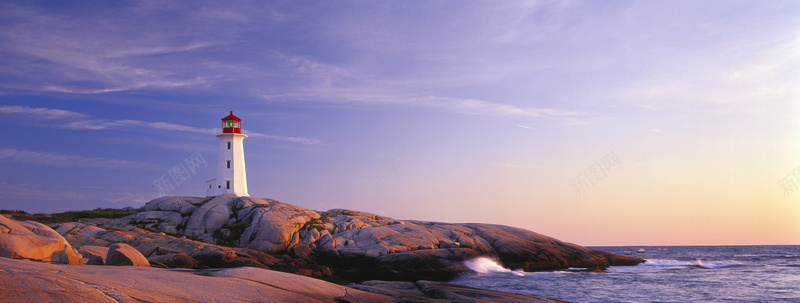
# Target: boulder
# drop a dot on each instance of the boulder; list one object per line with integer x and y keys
{"x": 274, "y": 227}
{"x": 121, "y": 254}
{"x": 301, "y": 251}
{"x": 89, "y": 251}
{"x": 174, "y": 260}
{"x": 210, "y": 216}
{"x": 152, "y": 245}
{"x": 34, "y": 241}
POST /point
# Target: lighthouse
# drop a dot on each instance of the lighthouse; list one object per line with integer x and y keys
{"x": 231, "y": 176}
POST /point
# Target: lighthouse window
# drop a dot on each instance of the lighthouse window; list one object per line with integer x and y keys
{"x": 228, "y": 184}
{"x": 229, "y": 145}
{"x": 229, "y": 163}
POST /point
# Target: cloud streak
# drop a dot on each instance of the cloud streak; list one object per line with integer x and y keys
{"x": 455, "y": 105}
{"x": 370, "y": 55}
{"x": 78, "y": 121}
{"x": 27, "y": 192}
{"x": 98, "y": 52}
{"x": 41, "y": 112}
{"x": 91, "y": 57}
{"x": 55, "y": 159}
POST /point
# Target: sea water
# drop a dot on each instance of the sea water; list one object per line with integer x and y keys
{"x": 671, "y": 274}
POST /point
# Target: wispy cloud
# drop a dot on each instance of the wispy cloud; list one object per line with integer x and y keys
{"x": 77, "y": 121}
{"x": 97, "y": 52}
{"x": 41, "y": 112}
{"x": 159, "y": 49}
{"x": 368, "y": 55}
{"x": 284, "y": 138}
{"x": 28, "y": 192}
{"x": 55, "y": 159}
{"x": 455, "y": 105}
{"x": 80, "y": 58}
{"x": 191, "y": 146}
{"x": 481, "y": 107}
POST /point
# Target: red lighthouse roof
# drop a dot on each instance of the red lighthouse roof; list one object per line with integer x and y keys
{"x": 232, "y": 117}
{"x": 231, "y": 124}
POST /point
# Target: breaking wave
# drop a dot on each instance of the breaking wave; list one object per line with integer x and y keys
{"x": 485, "y": 265}
{"x": 697, "y": 263}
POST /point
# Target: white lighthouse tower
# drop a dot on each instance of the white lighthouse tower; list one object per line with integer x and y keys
{"x": 231, "y": 177}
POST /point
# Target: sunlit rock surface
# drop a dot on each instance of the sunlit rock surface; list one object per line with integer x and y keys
{"x": 29, "y": 281}
{"x": 34, "y": 241}
{"x": 356, "y": 245}
{"x": 121, "y": 254}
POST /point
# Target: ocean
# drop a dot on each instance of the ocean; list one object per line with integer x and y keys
{"x": 671, "y": 274}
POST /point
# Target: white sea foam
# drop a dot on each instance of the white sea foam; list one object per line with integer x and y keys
{"x": 667, "y": 262}
{"x": 697, "y": 263}
{"x": 485, "y": 265}
{"x": 719, "y": 264}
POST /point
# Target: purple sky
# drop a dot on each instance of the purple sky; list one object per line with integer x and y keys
{"x": 459, "y": 111}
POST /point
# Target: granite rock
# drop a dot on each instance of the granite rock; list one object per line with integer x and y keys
{"x": 121, "y": 254}
{"x": 355, "y": 245}
{"x": 35, "y": 241}
{"x": 25, "y": 281}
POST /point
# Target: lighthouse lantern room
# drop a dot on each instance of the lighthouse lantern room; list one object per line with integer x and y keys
{"x": 231, "y": 124}
{"x": 231, "y": 176}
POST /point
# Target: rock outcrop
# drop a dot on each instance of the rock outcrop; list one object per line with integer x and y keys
{"x": 356, "y": 245}
{"x": 34, "y": 241}
{"x": 95, "y": 255}
{"x": 224, "y": 246}
{"x": 165, "y": 250}
{"x": 121, "y": 254}
{"x": 25, "y": 281}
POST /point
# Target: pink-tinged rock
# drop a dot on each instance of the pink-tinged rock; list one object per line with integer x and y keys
{"x": 121, "y": 254}
{"x": 210, "y": 216}
{"x": 34, "y": 241}
{"x": 88, "y": 251}
{"x": 367, "y": 245}
{"x": 174, "y": 260}
{"x": 23, "y": 281}
{"x": 274, "y": 228}
{"x": 174, "y": 203}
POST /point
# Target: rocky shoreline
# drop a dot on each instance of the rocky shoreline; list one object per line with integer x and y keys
{"x": 27, "y": 281}
{"x": 358, "y": 246}
{"x": 194, "y": 235}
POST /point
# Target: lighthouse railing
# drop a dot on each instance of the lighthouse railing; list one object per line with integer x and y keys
{"x": 241, "y": 131}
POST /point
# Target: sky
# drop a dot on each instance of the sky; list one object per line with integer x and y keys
{"x": 596, "y": 122}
